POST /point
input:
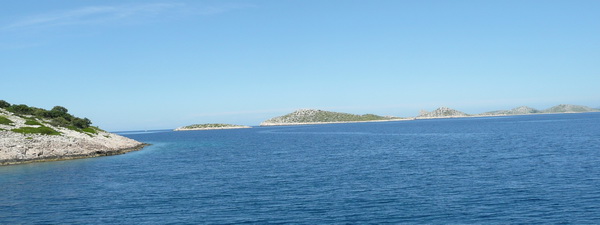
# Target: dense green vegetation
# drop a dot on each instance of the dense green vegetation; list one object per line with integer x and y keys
{"x": 58, "y": 116}
{"x": 36, "y": 130}
{"x": 5, "y": 121}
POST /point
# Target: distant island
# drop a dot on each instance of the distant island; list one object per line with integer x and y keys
{"x": 444, "y": 112}
{"x": 30, "y": 134}
{"x": 211, "y": 126}
{"x": 315, "y": 116}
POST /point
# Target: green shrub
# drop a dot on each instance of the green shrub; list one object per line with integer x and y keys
{"x": 36, "y": 130}
{"x": 60, "y": 121}
{"x": 5, "y": 121}
{"x": 20, "y": 109}
{"x": 81, "y": 123}
{"x": 59, "y": 115}
{"x": 4, "y": 104}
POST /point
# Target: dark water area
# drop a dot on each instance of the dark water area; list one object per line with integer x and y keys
{"x": 520, "y": 169}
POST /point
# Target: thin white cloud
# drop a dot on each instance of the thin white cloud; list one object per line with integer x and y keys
{"x": 116, "y": 13}
{"x": 92, "y": 14}
{"x": 211, "y": 10}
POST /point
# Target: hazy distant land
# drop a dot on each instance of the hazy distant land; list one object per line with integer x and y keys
{"x": 444, "y": 112}
{"x": 211, "y": 126}
{"x": 314, "y": 116}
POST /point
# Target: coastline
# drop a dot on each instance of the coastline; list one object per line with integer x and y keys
{"x": 479, "y": 116}
{"x": 313, "y": 123}
{"x": 94, "y": 154}
{"x": 211, "y": 128}
{"x": 414, "y": 118}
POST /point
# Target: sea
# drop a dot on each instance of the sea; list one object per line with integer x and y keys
{"x": 533, "y": 169}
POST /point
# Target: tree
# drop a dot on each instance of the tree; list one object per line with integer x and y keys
{"x": 81, "y": 123}
{"x": 20, "y": 109}
{"x": 60, "y": 109}
{"x": 4, "y": 104}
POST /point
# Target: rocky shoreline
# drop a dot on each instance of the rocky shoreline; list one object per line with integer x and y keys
{"x": 18, "y": 148}
{"x": 98, "y": 153}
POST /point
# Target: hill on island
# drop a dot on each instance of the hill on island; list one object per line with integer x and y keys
{"x": 565, "y": 108}
{"x": 522, "y": 110}
{"x": 30, "y": 134}
{"x": 441, "y": 113}
{"x": 313, "y": 116}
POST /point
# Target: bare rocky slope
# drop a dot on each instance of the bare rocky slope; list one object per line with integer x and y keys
{"x": 19, "y": 145}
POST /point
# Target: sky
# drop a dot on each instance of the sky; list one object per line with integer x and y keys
{"x": 140, "y": 65}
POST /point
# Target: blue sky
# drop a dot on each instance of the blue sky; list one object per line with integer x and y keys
{"x": 161, "y": 64}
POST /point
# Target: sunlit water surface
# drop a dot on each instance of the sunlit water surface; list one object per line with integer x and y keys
{"x": 521, "y": 169}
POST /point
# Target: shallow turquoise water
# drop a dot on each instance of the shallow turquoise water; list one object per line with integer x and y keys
{"x": 521, "y": 169}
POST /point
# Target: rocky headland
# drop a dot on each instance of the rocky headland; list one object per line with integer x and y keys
{"x": 26, "y": 137}
{"x": 315, "y": 116}
{"x": 211, "y": 126}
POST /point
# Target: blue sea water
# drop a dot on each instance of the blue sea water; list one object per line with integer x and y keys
{"x": 520, "y": 169}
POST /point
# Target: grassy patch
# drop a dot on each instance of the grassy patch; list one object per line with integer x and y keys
{"x": 90, "y": 130}
{"x": 32, "y": 122}
{"x": 5, "y": 121}
{"x": 36, "y": 130}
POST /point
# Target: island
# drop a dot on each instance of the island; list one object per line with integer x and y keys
{"x": 315, "y": 116}
{"x": 442, "y": 112}
{"x": 211, "y": 126}
{"x": 30, "y": 134}
{"x": 445, "y": 112}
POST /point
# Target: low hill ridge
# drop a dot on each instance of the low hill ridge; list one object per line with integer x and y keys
{"x": 566, "y": 108}
{"x": 442, "y": 112}
{"x": 311, "y": 116}
{"x": 521, "y": 110}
